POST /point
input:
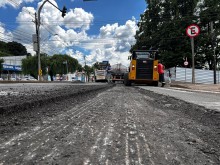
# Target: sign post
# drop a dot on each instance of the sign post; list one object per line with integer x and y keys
{"x": 193, "y": 31}
{"x": 185, "y": 63}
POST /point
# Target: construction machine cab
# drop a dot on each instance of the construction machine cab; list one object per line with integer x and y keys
{"x": 143, "y": 68}
{"x": 143, "y": 54}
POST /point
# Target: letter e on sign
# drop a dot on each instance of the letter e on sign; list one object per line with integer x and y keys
{"x": 192, "y": 30}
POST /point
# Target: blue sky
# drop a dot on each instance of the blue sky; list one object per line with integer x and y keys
{"x": 101, "y": 30}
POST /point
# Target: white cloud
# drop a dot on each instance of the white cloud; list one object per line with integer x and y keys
{"x": 65, "y": 35}
{"x": 78, "y": 18}
{"x": 77, "y": 55}
{"x": 55, "y": 31}
{"x": 116, "y": 43}
{"x": 26, "y": 27}
{"x": 14, "y": 3}
{"x": 5, "y": 35}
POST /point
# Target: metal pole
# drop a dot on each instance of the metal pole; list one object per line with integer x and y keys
{"x": 38, "y": 41}
{"x": 66, "y": 67}
{"x": 214, "y": 57}
{"x": 193, "y": 63}
{"x": 36, "y": 23}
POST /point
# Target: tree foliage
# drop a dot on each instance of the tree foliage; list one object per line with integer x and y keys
{"x": 12, "y": 49}
{"x": 1, "y": 62}
{"x": 60, "y": 64}
{"x": 88, "y": 71}
{"x": 30, "y": 65}
{"x": 57, "y": 64}
{"x": 163, "y": 26}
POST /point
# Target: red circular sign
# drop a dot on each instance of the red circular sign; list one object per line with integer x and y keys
{"x": 192, "y": 30}
{"x": 186, "y": 63}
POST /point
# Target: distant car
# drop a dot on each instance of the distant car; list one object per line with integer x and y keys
{"x": 25, "y": 78}
{"x": 1, "y": 79}
{"x": 32, "y": 79}
{"x": 73, "y": 79}
{"x": 28, "y": 78}
{"x": 13, "y": 79}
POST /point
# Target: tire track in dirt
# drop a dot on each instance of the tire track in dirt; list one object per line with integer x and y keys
{"x": 103, "y": 149}
{"x": 139, "y": 152}
{"x": 120, "y": 126}
{"x": 39, "y": 137}
{"x": 163, "y": 131}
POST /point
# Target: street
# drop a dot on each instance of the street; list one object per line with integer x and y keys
{"x": 113, "y": 125}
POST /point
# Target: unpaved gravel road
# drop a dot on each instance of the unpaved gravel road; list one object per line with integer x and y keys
{"x": 111, "y": 125}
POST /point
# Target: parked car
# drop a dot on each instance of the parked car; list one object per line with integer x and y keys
{"x": 73, "y": 79}
{"x": 32, "y": 79}
{"x": 1, "y": 79}
{"x": 28, "y": 78}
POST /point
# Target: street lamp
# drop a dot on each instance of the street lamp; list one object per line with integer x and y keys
{"x": 38, "y": 34}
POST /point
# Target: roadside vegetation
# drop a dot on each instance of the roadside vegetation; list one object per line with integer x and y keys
{"x": 56, "y": 64}
{"x": 163, "y": 26}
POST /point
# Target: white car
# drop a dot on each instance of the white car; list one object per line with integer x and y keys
{"x": 1, "y": 79}
{"x": 28, "y": 78}
{"x": 13, "y": 79}
{"x": 32, "y": 79}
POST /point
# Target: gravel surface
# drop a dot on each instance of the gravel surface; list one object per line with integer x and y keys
{"x": 21, "y": 96}
{"x": 107, "y": 124}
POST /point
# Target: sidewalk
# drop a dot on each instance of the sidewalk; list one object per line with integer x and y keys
{"x": 205, "y": 87}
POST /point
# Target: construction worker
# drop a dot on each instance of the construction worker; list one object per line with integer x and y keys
{"x": 161, "y": 73}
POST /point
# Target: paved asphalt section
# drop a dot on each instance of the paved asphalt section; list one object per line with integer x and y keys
{"x": 208, "y": 99}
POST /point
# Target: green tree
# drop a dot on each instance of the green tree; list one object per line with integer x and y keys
{"x": 96, "y": 65}
{"x": 59, "y": 63}
{"x": 88, "y": 71}
{"x": 30, "y": 65}
{"x": 209, "y": 13}
{"x": 16, "y": 49}
{"x": 12, "y": 49}
{"x": 80, "y": 68}
{"x": 1, "y": 62}
{"x": 4, "y": 50}
{"x": 163, "y": 26}
{"x": 56, "y": 64}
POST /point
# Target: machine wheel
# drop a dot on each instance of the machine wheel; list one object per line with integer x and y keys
{"x": 126, "y": 80}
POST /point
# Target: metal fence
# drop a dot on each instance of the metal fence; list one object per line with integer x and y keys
{"x": 201, "y": 76}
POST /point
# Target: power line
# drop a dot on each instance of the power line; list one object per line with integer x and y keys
{"x": 19, "y": 5}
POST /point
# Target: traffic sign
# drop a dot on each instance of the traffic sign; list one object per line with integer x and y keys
{"x": 40, "y": 72}
{"x": 186, "y": 63}
{"x": 192, "y": 30}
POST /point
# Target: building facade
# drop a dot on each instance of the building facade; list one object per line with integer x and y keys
{"x": 12, "y": 66}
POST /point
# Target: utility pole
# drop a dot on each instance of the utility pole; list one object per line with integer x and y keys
{"x": 85, "y": 61}
{"x": 37, "y": 17}
{"x": 36, "y": 41}
{"x": 213, "y": 48}
{"x": 67, "y": 67}
{"x": 85, "y": 67}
